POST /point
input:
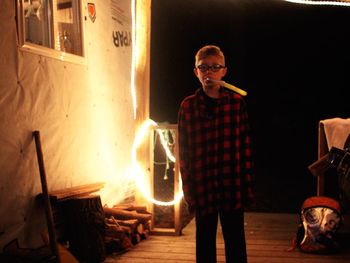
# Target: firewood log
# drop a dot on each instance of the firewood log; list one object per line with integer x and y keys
{"x": 135, "y": 238}
{"x": 145, "y": 234}
{"x": 117, "y": 241}
{"x": 140, "y": 229}
{"x": 139, "y": 209}
{"x": 125, "y": 215}
{"x": 85, "y": 228}
{"x": 126, "y": 242}
{"x": 113, "y": 244}
{"x": 132, "y": 223}
{"x": 118, "y": 228}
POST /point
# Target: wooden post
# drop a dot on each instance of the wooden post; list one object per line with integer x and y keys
{"x": 48, "y": 209}
{"x": 178, "y": 230}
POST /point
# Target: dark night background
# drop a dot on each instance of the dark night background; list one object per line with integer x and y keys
{"x": 292, "y": 59}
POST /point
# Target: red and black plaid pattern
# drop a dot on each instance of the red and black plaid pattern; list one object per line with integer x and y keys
{"x": 215, "y": 152}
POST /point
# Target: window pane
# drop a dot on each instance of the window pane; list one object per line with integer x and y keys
{"x": 68, "y": 26}
{"x": 55, "y": 24}
{"x": 38, "y": 24}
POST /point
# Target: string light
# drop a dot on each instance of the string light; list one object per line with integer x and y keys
{"x": 165, "y": 146}
{"x": 310, "y": 2}
{"x": 166, "y": 137}
{"x": 138, "y": 173}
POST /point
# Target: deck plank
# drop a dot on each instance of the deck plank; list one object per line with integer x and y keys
{"x": 268, "y": 238}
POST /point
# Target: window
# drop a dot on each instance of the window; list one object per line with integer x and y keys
{"x": 51, "y": 27}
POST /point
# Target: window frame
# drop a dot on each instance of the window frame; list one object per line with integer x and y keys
{"x": 48, "y": 51}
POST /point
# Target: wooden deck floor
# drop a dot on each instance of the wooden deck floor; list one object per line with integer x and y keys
{"x": 268, "y": 238}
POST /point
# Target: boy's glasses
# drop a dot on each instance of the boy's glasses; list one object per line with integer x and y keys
{"x": 213, "y": 68}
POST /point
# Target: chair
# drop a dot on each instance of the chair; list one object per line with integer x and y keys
{"x": 331, "y": 132}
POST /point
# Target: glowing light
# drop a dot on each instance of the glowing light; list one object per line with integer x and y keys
{"x": 137, "y": 171}
{"x": 165, "y": 146}
{"x": 133, "y": 55}
{"x": 310, "y": 2}
{"x": 138, "y": 174}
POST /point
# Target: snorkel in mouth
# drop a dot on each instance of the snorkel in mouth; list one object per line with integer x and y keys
{"x": 227, "y": 85}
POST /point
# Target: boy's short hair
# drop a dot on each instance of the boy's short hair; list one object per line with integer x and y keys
{"x": 209, "y": 50}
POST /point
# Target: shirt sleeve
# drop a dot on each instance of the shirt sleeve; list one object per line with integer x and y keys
{"x": 184, "y": 156}
{"x": 247, "y": 158}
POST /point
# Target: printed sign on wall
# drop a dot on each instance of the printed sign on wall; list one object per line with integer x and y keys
{"x": 121, "y": 15}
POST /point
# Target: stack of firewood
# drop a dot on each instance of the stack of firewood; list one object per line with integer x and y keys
{"x": 126, "y": 225}
{"x": 93, "y": 230}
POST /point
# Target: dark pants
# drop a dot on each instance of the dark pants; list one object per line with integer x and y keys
{"x": 232, "y": 224}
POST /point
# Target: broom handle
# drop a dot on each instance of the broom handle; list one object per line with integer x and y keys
{"x": 48, "y": 209}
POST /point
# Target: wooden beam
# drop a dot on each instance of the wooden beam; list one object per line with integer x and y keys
{"x": 76, "y": 191}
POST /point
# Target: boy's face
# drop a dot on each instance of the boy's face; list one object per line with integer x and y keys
{"x": 210, "y": 67}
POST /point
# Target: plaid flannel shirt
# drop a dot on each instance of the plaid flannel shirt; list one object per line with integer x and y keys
{"x": 215, "y": 153}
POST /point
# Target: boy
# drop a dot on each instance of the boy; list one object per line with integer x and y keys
{"x": 215, "y": 159}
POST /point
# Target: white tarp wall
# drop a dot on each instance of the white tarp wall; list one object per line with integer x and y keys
{"x": 84, "y": 114}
